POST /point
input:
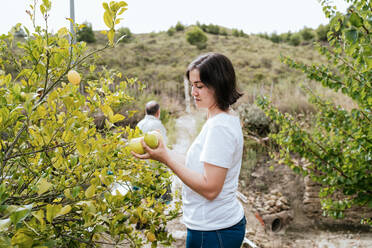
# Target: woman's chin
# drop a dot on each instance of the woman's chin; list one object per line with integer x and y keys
{"x": 198, "y": 105}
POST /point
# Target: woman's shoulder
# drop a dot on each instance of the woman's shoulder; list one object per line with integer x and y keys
{"x": 227, "y": 119}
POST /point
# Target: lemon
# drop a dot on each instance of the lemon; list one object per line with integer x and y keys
{"x": 152, "y": 139}
{"x": 74, "y": 77}
{"x": 150, "y": 236}
{"x": 136, "y": 146}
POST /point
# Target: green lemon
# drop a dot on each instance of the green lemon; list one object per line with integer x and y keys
{"x": 136, "y": 146}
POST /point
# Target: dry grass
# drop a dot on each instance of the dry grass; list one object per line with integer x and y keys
{"x": 160, "y": 60}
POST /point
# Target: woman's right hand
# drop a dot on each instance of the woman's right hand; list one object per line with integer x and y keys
{"x": 159, "y": 154}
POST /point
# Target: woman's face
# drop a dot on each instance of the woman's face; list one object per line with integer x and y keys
{"x": 203, "y": 96}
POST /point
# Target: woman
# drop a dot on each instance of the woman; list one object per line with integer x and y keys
{"x": 211, "y": 211}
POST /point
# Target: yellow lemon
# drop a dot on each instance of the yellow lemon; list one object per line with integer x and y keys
{"x": 136, "y": 146}
{"x": 151, "y": 237}
{"x": 74, "y": 77}
{"x": 152, "y": 139}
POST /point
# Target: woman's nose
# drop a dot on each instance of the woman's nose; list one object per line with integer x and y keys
{"x": 193, "y": 91}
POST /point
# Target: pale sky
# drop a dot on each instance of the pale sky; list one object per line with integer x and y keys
{"x": 144, "y": 16}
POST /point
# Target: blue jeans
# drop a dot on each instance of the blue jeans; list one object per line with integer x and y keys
{"x": 231, "y": 237}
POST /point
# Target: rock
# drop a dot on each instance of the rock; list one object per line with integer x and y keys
{"x": 311, "y": 195}
{"x": 308, "y": 200}
{"x": 283, "y": 200}
{"x": 271, "y": 203}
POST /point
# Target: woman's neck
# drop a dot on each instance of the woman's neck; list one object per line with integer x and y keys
{"x": 214, "y": 110}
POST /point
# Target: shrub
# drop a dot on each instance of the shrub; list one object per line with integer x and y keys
{"x": 235, "y": 32}
{"x": 195, "y": 36}
{"x": 295, "y": 39}
{"x": 171, "y": 31}
{"x": 286, "y": 37}
{"x": 223, "y": 32}
{"x": 128, "y": 34}
{"x": 254, "y": 120}
{"x": 86, "y": 33}
{"x": 213, "y": 29}
{"x": 179, "y": 27}
{"x": 307, "y": 34}
{"x": 275, "y": 38}
{"x": 321, "y": 32}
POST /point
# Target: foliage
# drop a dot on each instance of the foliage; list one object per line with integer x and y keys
{"x": 211, "y": 28}
{"x": 235, "y": 32}
{"x": 171, "y": 31}
{"x": 196, "y": 36}
{"x": 295, "y": 39}
{"x": 86, "y": 33}
{"x": 275, "y": 38}
{"x": 307, "y": 34}
{"x": 57, "y": 172}
{"x": 254, "y": 119}
{"x": 128, "y": 36}
{"x": 321, "y": 32}
{"x": 179, "y": 26}
{"x": 339, "y": 149}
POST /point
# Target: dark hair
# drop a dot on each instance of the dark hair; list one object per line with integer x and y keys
{"x": 152, "y": 107}
{"x": 216, "y": 71}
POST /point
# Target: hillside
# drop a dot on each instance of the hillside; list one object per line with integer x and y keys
{"x": 160, "y": 60}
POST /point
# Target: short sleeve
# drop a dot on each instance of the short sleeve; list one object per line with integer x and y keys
{"x": 219, "y": 147}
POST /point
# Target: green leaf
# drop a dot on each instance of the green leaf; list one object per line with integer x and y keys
{"x": 65, "y": 210}
{"x": 356, "y": 20}
{"x": 107, "y": 17}
{"x": 122, "y": 11}
{"x": 23, "y": 238}
{"x": 82, "y": 148}
{"x": 52, "y": 211}
{"x": 105, "y": 6}
{"x": 89, "y": 193}
{"x": 43, "y": 186}
{"x": 351, "y": 35}
{"x": 106, "y": 109}
{"x": 116, "y": 118}
{"x": 19, "y": 215}
{"x": 62, "y": 32}
{"x": 111, "y": 35}
{"x": 39, "y": 215}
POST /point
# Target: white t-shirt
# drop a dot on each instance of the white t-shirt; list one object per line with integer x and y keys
{"x": 220, "y": 143}
{"x": 151, "y": 123}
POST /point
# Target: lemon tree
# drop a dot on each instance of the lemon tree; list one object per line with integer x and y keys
{"x": 338, "y": 150}
{"x": 57, "y": 170}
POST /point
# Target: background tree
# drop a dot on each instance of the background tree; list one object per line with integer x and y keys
{"x": 307, "y": 34}
{"x": 128, "y": 36}
{"x": 295, "y": 39}
{"x": 58, "y": 173}
{"x": 196, "y": 36}
{"x": 338, "y": 150}
{"x": 321, "y": 32}
{"x": 179, "y": 26}
{"x": 85, "y": 33}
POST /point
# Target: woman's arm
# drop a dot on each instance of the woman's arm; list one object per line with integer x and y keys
{"x": 209, "y": 184}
